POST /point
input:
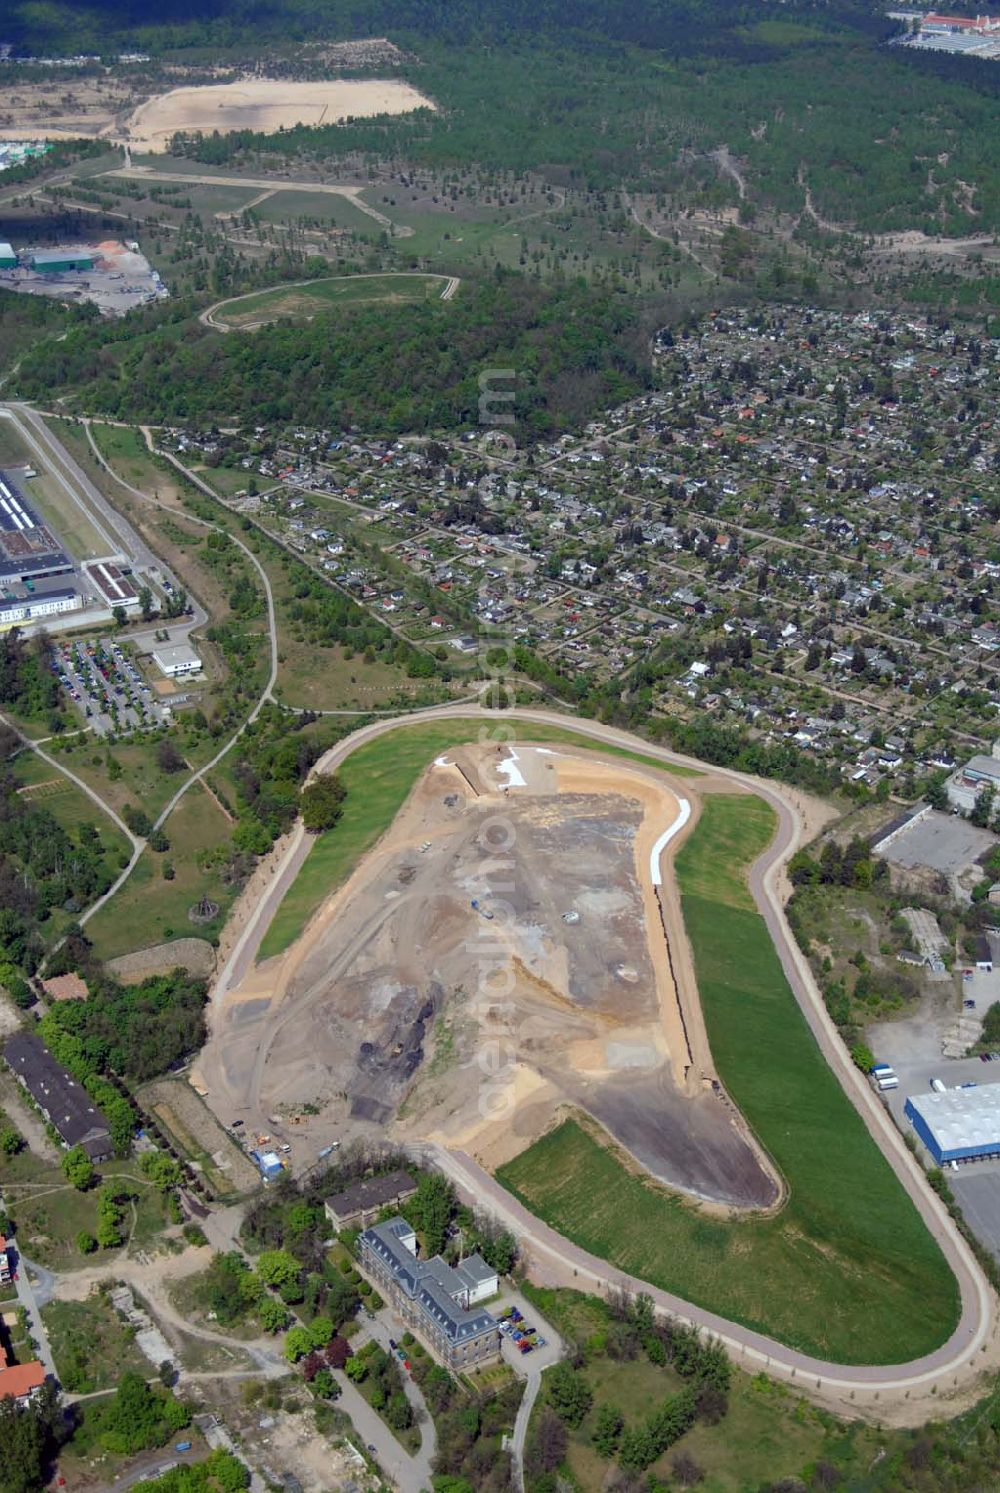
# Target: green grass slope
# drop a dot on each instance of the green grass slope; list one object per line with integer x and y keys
{"x": 846, "y": 1270}
{"x": 303, "y": 301}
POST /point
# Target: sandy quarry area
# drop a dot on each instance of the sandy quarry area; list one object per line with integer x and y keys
{"x": 66, "y": 109}
{"x": 266, "y": 105}
{"x": 404, "y": 1010}
{"x": 108, "y": 108}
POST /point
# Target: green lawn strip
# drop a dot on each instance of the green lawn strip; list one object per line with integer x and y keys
{"x": 378, "y": 777}
{"x": 728, "y": 839}
{"x": 846, "y": 1270}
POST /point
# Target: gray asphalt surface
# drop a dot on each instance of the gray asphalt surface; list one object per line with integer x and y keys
{"x": 383, "y": 1329}
{"x": 36, "y": 1327}
{"x": 752, "y": 1350}
{"x": 410, "y": 1474}
{"x": 518, "y": 1440}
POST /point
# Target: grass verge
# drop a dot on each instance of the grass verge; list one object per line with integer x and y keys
{"x": 847, "y": 1270}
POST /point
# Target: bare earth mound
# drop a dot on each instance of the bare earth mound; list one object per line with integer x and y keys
{"x": 507, "y": 920}
{"x": 265, "y": 105}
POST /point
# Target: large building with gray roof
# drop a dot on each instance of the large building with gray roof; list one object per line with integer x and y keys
{"x": 361, "y": 1203}
{"x": 63, "y": 1101}
{"x": 437, "y": 1301}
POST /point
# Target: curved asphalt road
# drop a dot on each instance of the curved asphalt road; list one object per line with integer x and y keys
{"x": 751, "y": 1350}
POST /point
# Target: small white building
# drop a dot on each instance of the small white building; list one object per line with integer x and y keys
{"x": 480, "y": 1280}
{"x": 177, "y": 661}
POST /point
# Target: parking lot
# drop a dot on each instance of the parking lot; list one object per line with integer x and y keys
{"x": 106, "y": 687}
{"x": 977, "y": 1188}
{"x": 954, "y": 1073}
{"x": 546, "y": 1347}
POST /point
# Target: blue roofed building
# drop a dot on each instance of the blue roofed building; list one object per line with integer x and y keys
{"x": 958, "y": 1124}
{"x": 269, "y": 1163}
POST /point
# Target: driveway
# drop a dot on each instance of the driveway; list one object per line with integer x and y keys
{"x": 529, "y": 1367}
{"x": 43, "y": 1282}
{"x": 410, "y": 1474}
{"x": 382, "y": 1329}
{"x": 26, "y": 1297}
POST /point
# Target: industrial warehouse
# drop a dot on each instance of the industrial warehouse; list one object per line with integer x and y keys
{"x": 958, "y": 1124}
{"x": 36, "y": 573}
{"x": 115, "y": 276}
{"x": 42, "y": 584}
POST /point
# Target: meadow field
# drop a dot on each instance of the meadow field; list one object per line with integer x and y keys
{"x": 304, "y": 301}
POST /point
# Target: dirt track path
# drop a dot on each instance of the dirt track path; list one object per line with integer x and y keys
{"x": 208, "y": 316}
{"x": 264, "y": 184}
{"x": 150, "y": 1280}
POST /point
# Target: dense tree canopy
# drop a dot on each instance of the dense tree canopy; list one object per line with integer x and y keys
{"x": 414, "y": 367}
{"x": 138, "y": 1418}
{"x": 136, "y": 1030}
{"x": 322, "y": 802}
{"x": 27, "y": 1440}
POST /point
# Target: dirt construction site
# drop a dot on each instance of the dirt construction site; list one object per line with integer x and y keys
{"x": 505, "y": 953}
{"x": 113, "y": 109}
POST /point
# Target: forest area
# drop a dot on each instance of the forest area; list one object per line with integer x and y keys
{"x": 620, "y": 108}
{"x": 803, "y": 94}
{"x": 407, "y": 368}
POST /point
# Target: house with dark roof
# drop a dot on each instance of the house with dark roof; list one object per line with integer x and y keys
{"x": 62, "y": 1099}
{"x": 362, "y": 1203}
{"x": 437, "y": 1301}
